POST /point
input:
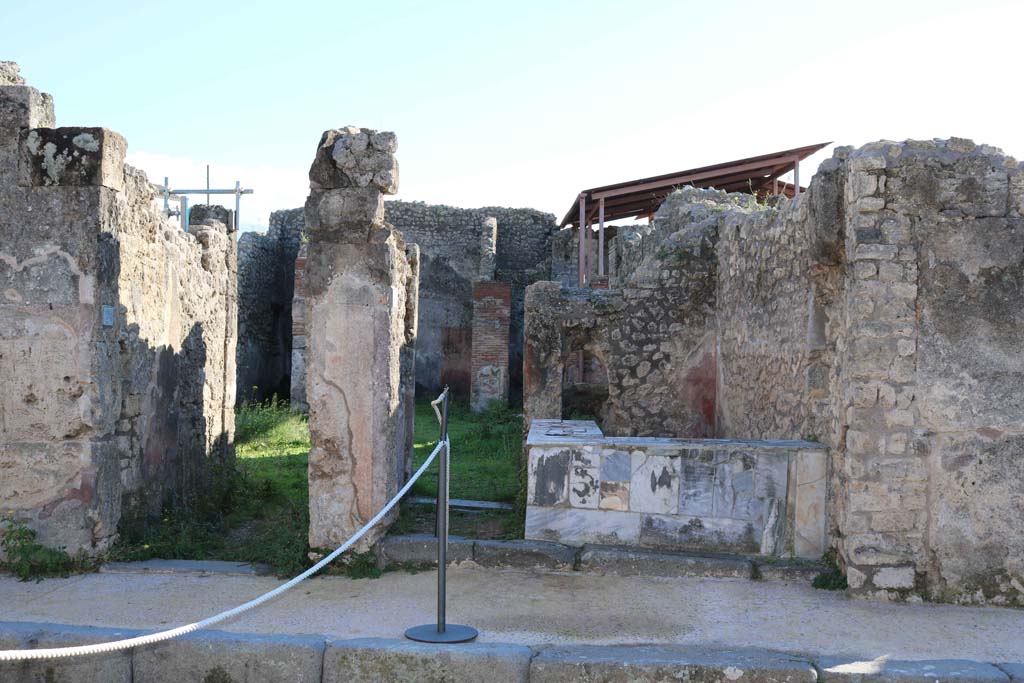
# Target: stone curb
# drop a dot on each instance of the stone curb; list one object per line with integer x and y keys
{"x": 652, "y": 563}
{"x": 372, "y": 660}
{"x": 156, "y": 566}
{"x": 222, "y": 656}
{"x": 524, "y": 554}
{"x": 880, "y": 670}
{"x": 657, "y": 663}
{"x": 530, "y": 554}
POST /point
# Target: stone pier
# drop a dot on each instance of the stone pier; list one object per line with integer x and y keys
{"x": 361, "y": 286}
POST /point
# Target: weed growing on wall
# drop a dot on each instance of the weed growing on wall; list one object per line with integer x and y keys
{"x": 832, "y": 579}
{"x": 28, "y": 559}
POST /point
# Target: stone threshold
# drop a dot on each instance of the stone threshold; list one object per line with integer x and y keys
{"x": 157, "y": 566}
{"x": 221, "y": 656}
{"x": 421, "y": 549}
{"x": 463, "y": 504}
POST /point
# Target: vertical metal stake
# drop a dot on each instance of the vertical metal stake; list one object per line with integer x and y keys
{"x": 442, "y": 632}
{"x": 238, "y": 203}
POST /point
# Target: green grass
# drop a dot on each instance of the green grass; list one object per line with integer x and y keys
{"x": 258, "y": 511}
{"x": 486, "y": 449}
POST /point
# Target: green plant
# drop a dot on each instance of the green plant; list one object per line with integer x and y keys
{"x": 832, "y": 579}
{"x": 28, "y": 559}
{"x": 362, "y": 566}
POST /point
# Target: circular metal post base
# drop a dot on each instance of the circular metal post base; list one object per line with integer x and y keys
{"x": 453, "y": 633}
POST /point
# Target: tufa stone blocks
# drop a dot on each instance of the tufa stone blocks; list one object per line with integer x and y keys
{"x": 72, "y": 157}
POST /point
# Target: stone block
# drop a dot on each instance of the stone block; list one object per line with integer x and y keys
{"x": 734, "y": 493}
{"x": 654, "y": 484}
{"x": 635, "y": 562}
{"x": 697, "y": 484}
{"x": 1015, "y": 670}
{"x": 893, "y": 577}
{"x": 616, "y": 466}
{"x": 614, "y": 496}
{"x": 576, "y": 526}
{"x": 355, "y": 158}
{"x": 584, "y": 473}
{"x": 344, "y": 214}
{"x": 422, "y": 549}
{"x": 372, "y": 660}
{"x": 716, "y": 534}
{"x": 885, "y": 252}
{"x": 810, "y": 485}
{"x": 882, "y": 670}
{"x": 115, "y": 667}
{"x": 548, "y": 476}
{"x": 524, "y": 554}
{"x": 659, "y": 663}
{"x": 72, "y": 157}
{"x": 220, "y": 656}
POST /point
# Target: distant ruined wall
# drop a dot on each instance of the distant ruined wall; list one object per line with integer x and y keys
{"x": 266, "y": 279}
{"x": 117, "y": 333}
{"x": 450, "y": 249}
{"x": 880, "y": 313}
{"x": 449, "y": 240}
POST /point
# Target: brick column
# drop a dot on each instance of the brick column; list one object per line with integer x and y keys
{"x": 298, "y": 374}
{"x": 489, "y": 378}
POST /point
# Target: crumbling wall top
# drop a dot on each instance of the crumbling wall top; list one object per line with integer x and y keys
{"x": 354, "y": 157}
{"x": 10, "y": 74}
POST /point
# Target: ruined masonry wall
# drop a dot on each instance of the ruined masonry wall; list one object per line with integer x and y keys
{"x": 266, "y": 277}
{"x": 881, "y": 313}
{"x": 450, "y": 250}
{"x": 117, "y": 333}
{"x": 450, "y": 247}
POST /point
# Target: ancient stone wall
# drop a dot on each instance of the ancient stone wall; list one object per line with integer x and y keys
{"x": 361, "y": 306}
{"x": 653, "y": 334}
{"x": 876, "y": 314}
{"x": 266, "y": 277}
{"x": 450, "y": 247}
{"x": 879, "y": 313}
{"x": 117, "y": 333}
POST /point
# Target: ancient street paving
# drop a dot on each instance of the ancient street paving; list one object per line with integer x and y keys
{"x": 536, "y": 608}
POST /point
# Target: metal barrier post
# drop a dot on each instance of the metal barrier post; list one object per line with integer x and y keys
{"x": 442, "y": 632}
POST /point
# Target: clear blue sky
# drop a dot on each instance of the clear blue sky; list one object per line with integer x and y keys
{"x": 515, "y": 103}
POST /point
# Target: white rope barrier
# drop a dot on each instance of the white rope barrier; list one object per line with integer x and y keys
{"x": 52, "y": 653}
